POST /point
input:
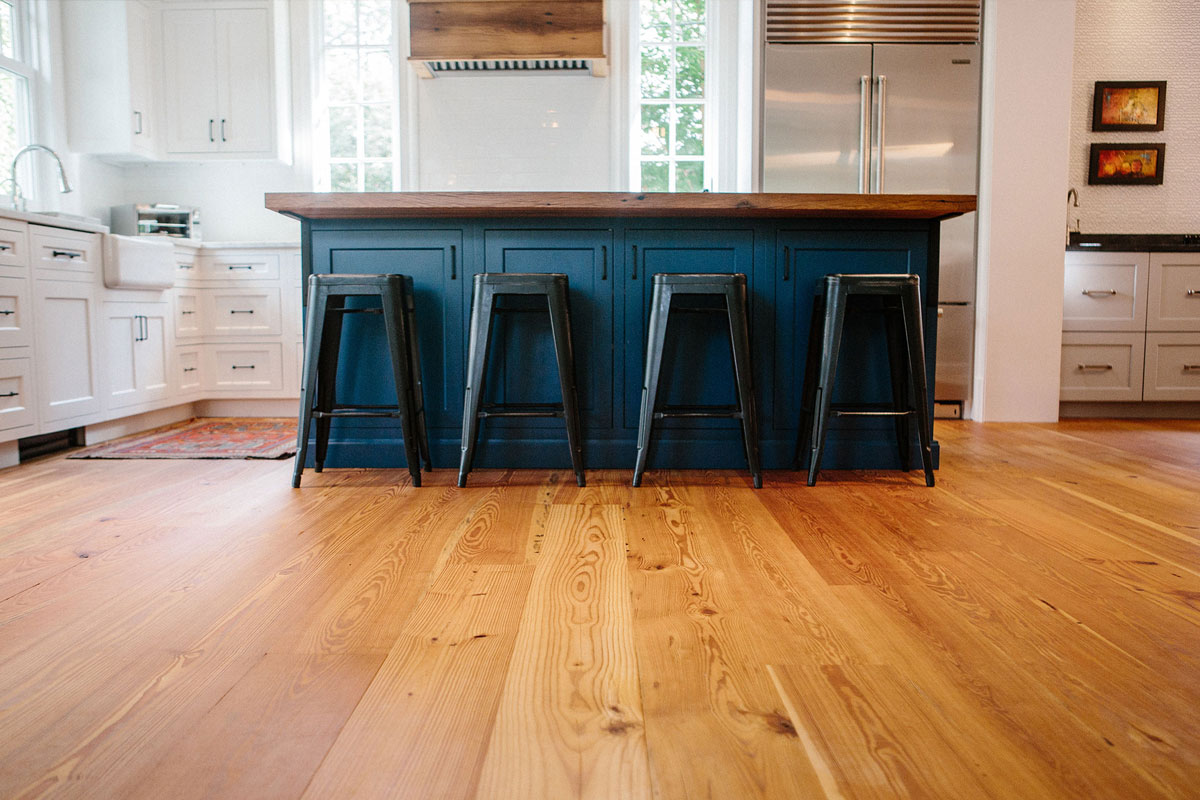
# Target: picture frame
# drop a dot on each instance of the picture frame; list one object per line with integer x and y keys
{"x": 1127, "y": 164}
{"x": 1129, "y": 105}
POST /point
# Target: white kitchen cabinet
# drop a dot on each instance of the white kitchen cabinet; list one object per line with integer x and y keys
{"x": 219, "y": 72}
{"x": 245, "y": 368}
{"x": 111, "y": 62}
{"x": 14, "y": 247}
{"x": 14, "y": 313}
{"x": 242, "y": 312}
{"x": 136, "y": 352}
{"x": 66, "y": 353}
{"x": 189, "y": 372}
{"x": 66, "y": 255}
{"x": 18, "y": 407}
{"x": 1105, "y": 291}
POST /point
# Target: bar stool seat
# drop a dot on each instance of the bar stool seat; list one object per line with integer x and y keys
{"x": 327, "y": 295}
{"x": 899, "y": 299}
{"x": 732, "y": 288}
{"x": 488, "y": 287}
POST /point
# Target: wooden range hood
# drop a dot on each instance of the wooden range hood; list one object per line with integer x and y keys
{"x": 504, "y": 36}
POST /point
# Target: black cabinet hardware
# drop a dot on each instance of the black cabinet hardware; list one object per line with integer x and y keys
{"x": 9, "y": 394}
{"x": 65, "y": 254}
{"x": 189, "y": 369}
{"x": 239, "y": 311}
{"x": 242, "y": 366}
{"x": 137, "y": 115}
{"x": 241, "y": 266}
{"x": 633, "y": 277}
{"x": 453, "y": 262}
{"x": 7, "y": 313}
{"x": 603, "y": 262}
{"x": 787, "y": 262}
{"x": 222, "y": 130}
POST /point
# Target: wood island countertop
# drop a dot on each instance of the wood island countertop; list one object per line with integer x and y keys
{"x": 424, "y": 205}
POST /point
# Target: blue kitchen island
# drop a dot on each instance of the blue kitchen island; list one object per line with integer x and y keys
{"x": 609, "y": 245}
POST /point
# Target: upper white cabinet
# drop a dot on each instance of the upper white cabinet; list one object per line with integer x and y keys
{"x": 111, "y": 59}
{"x": 218, "y": 71}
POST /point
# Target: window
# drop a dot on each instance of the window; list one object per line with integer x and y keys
{"x": 673, "y": 110}
{"x": 16, "y": 74}
{"x": 356, "y": 111}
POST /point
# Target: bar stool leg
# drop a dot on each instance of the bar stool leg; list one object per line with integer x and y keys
{"x": 739, "y": 339}
{"x": 804, "y": 432}
{"x": 416, "y": 384}
{"x": 560, "y": 332}
{"x": 482, "y": 301}
{"x": 656, "y": 334}
{"x": 835, "y": 313}
{"x": 394, "y": 326}
{"x": 911, "y": 302}
{"x": 327, "y": 361}
{"x": 308, "y": 384}
{"x": 893, "y": 316}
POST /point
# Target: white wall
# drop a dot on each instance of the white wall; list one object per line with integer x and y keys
{"x": 1161, "y": 41}
{"x": 1024, "y": 138}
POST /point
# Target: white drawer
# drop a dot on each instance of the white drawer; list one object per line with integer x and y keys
{"x": 1174, "y": 292}
{"x": 1172, "y": 366}
{"x": 246, "y": 367}
{"x": 14, "y": 248}
{"x": 1102, "y": 366}
{"x": 62, "y": 254}
{"x": 238, "y": 266}
{"x": 17, "y": 405}
{"x": 241, "y": 312}
{"x": 1105, "y": 291}
{"x": 190, "y": 370}
{"x": 15, "y": 322}
{"x": 189, "y": 313}
{"x": 185, "y": 265}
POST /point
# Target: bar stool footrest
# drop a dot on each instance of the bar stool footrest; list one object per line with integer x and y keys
{"x": 698, "y": 412}
{"x": 521, "y": 410}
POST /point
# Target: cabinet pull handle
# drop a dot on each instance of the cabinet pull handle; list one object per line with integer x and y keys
{"x": 4, "y": 247}
{"x": 137, "y": 115}
{"x": 9, "y": 394}
{"x": 211, "y": 138}
{"x": 65, "y": 254}
{"x": 1094, "y": 292}
{"x": 189, "y": 369}
{"x": 603, "y": 262}
{"x": 453, "y": 262}
{"x": 241, "y": 266}
{"x": 6, "y": 313}
{"x": 185, "y": 266}
{"x": 240, "y": 311}
{"x": 1191, "y": 367}
{"x": 242, "y": 366}
{"x": 1193, "y": 292}
{"x": 633, "y": 277}
{"x": 222, "y": 129}
{"x": 787, "y": 262}
{"x": 1095, "y": 367}
{"x": 185, "y": 313}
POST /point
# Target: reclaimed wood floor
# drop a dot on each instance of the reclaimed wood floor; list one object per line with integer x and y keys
{"x": 1030, "y": 628}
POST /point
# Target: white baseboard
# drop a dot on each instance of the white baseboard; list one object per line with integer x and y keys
{"x": 10, "y": 454}
{"x": 116, "y": 428}
{"x": 248, "y": 408}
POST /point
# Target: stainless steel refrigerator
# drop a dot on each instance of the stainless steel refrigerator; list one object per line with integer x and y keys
{"x": 885, "y": 118}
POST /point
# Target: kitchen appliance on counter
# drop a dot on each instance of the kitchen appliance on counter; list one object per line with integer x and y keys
{"x": 883, "y": 100}
{"x": 157, "y": 219}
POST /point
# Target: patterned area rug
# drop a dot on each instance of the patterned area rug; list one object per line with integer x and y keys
{"x": 209, "y": 437}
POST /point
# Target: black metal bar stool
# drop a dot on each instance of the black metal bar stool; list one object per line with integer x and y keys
{"x": 488, "y": 287}
{"x": 899, "y": 299}
{"x": 732, "y": 287}
{"x": 327, "y": 296}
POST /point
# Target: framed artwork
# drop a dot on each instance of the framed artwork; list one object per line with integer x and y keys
{"x": 1129, "y": 105}
{"x": 1126, "y": 164}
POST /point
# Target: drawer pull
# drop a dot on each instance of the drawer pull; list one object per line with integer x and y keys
{"x": 453, "y": 262}
{"x": 189, "y": 369}
{"x": 1094, "y": 292}
{"x": 6, "y": 313}
{"x": 5, "y": 247}
{"x": 65, "y": 254}
{"x": 787, "y": 263}
{"x": 239, "y": 311}
{"x": 185, "y": 313}
{"x": 1193, "y": 292}
{"x": 1191, "y": 367}
{"x": 603, "y": 262}
{"x": 185, "y": 266}
{"x": 1095, "y": 367}
{"x": 9, "y": 394}
{"x": 242, "y": 366}
{"x": 241, "y": 266}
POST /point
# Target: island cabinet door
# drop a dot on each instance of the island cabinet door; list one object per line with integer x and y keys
{"x": 435, "y": 260}
{"x": 522, "y": 366}
{"x": 697, "y": 364}
{"x": 802, "y": 260}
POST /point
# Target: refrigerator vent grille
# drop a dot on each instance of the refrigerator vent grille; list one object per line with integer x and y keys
{"x": 560, "y": 66}
{"x": 873, "y": 21}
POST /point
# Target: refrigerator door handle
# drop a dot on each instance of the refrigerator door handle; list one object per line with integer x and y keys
{"x": 864, "y": 133}
{"x": 881, "y": 130}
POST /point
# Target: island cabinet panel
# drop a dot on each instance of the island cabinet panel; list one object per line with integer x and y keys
{"x": 435, "y": 260}
{"x": 803, "y": 258}
{"x": 522, "y": 367}
{"x": 610, "y": 263}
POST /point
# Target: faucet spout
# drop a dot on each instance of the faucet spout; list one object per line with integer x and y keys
{"x": 64, "y": 185}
